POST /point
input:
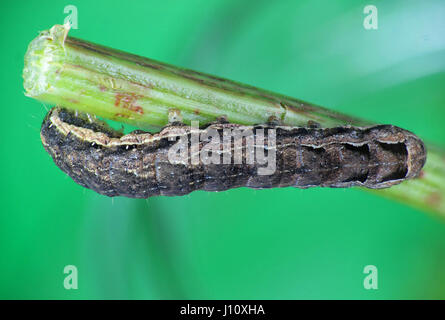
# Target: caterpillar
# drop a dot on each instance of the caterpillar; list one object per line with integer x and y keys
{"x": 181, "y": 159}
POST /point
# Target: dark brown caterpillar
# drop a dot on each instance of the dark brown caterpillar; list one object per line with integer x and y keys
{"x": 137, "y": 165}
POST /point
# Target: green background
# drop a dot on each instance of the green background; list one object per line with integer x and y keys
{"x": 240, "y": 244}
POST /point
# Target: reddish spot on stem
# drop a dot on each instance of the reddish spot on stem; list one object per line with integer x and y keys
{"x": 196, "y": 111}
{"x": 421, "y": 174}
{"x": 128, "y": 101}
{"x": 117, "y": 100}
{"x": 122, "y": 115}
{"x": 434, "y": 199}
{"x": 102, "y": 88}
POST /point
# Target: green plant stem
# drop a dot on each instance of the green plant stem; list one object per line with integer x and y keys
{"x": 77, "y": 74}
{"x": 66, "y": 71}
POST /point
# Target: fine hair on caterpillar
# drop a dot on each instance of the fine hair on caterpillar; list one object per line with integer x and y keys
{"x": 181, "y": 159}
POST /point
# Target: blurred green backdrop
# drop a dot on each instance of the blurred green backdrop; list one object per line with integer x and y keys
{"x": 239, "y": 244}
